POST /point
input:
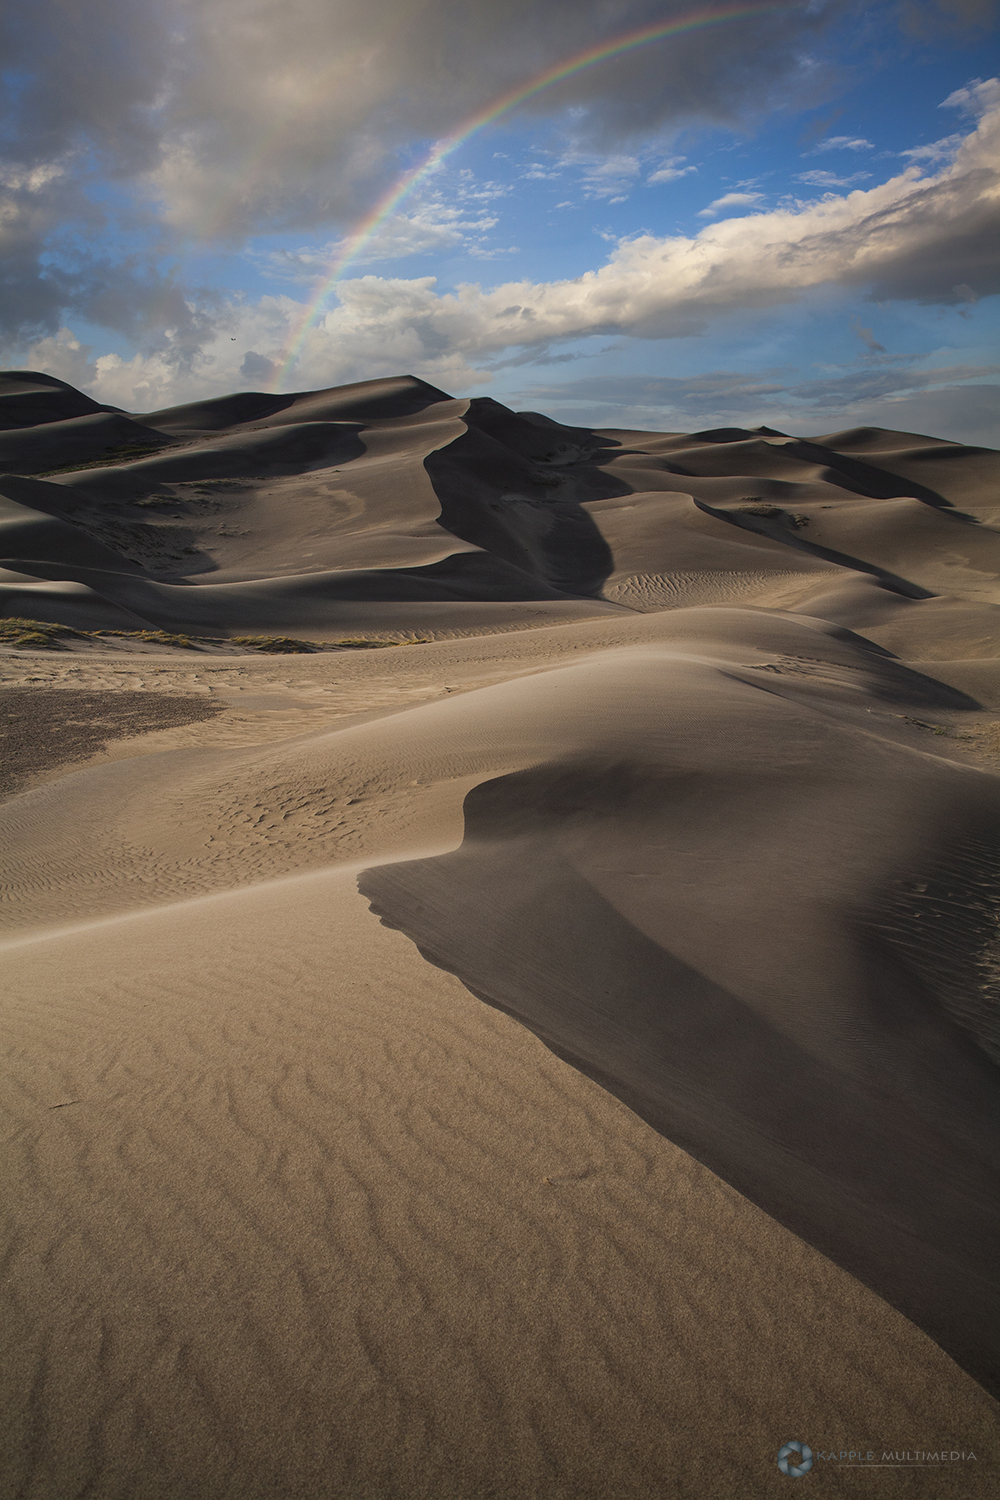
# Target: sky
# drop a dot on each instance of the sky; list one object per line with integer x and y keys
{"x": 665, "y": 216}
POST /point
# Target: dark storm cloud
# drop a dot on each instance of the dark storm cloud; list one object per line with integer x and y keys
{"x": 245, "y": 116}
{"x": 950, "y": 18}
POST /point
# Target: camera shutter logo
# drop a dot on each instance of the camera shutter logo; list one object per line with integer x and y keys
{"x": 795, "y": 1459}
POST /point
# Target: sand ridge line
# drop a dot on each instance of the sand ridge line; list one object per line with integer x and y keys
{"x": 169, "y": 908}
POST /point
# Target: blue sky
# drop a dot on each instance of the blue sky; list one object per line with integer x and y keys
{"x": 788, "y": 218}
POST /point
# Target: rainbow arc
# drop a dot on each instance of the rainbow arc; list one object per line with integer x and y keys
{"x": 364, "y": 232}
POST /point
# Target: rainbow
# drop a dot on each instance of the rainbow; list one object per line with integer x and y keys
{"x": 354, "y": 243}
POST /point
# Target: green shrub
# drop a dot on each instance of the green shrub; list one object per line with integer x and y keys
{"x": 155, "y": 637}
{"x": 15, "y": 631}
{"x": 278, "y": 645}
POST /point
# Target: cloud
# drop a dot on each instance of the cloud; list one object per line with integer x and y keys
{"x": 935, "y": 151}
{"x": 978, "y": 97}
{"x": 49, "y": 270}
{"x": 432, "y": 227}
{"x": 926, "y": 238}
{"x": 831, "y": 180}
{"x": 256, "y": 369}
{"x": 928, "y": 401}
{"x": 603, "y": 177}
{"x": 674, "y": 395}
{"x": 842, "y": 143}
{"x": 914, "y": 237}
{"x": 670, "y": 170}
{"x": 236, "y": 118}
{"x": 730, "y": 200}
{"x": 726, "y": 390}
{"x": 867, "y": 338}
{"x": 847, "y": 390}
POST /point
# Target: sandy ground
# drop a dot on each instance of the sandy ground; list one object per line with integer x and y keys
{"x": 555, "y": 1059}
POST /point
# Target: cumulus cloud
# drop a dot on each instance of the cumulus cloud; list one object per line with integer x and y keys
{"x": 934, "y": 151}
{"x": 202, "y": 120}
{"x": 53, "y": 263}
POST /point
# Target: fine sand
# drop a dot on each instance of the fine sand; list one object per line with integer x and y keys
{"x": 555, "y": 1055}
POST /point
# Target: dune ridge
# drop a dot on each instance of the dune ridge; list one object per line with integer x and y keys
{"x": 557, "y": 1057}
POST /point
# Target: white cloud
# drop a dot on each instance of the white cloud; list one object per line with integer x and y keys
{"x": 730, "y": 200}
{"x": 842, "y": 143}
{"x": 977, "y": 98}
{"x": 603, "y": 177}
{"x": 433, "y": 227}
{"x": 670, "y": 170}
{"x": 935, "y": 151}
{"x": 831, "y": 180}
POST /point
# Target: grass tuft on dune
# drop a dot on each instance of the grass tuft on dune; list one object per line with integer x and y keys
{"x": 32, "y": 634}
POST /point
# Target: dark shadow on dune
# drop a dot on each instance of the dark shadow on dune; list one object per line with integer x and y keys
{"x": 894, "y": 683}
{"x": 898, "y": 1195}
{"x": 28, "y": 399}
{"x": 515, "y": 486}
{"x": 218, "y": 413}
{"x": 865, "y": 479}
{"x": 888, "y": 580}
{"x": 292, "y": 600}
{"x": 731, "y": 435}
{"x": 875, "y": 482}
{"x": 101, "y": 438}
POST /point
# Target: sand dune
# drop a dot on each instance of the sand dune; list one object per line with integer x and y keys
{"x": 686, "y": 764}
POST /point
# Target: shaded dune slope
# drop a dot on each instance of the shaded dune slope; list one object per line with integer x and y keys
{"x": 775, "y": 937}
